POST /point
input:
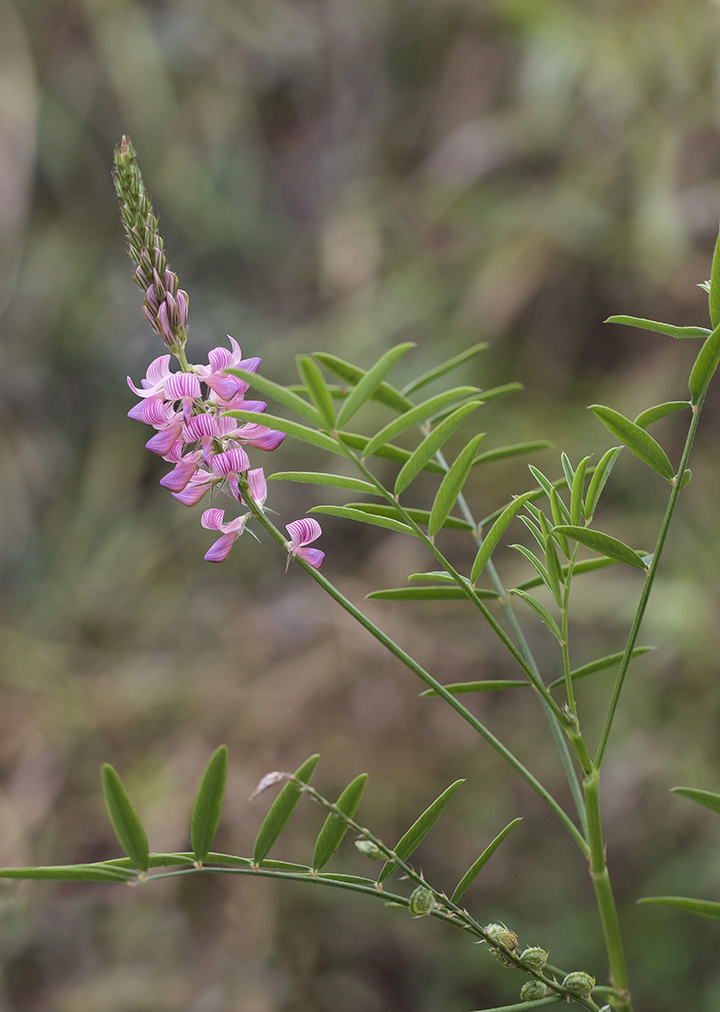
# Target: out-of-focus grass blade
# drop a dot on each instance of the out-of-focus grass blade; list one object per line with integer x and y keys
{"x": 126, "y": 824}
{"x": 208, "y": 804}
{"x": 421, "y": 457}
{"x": 352, "y": 374}
{"x": 317, "y": 388}
{"x": 501, "y": 391}
{"x": 541, "y": 611}
{"x": 599, "y": 665}
{"x": 659, "y": 328}
{"x": 451, "y": 485}
{"x": 387, "y": 452}
{"x": 604, "y": 544}
{"x": 291, "y": 428}
{"x": 70, "y": 873}
{"x": 417, "y": 415}
{"x": 446, "y": 367}
{"x": 489, "y": 685}
{"x": 599, "y": 478}
{"x": 705, "y": 365}
{"x": 372, "y": 379}
{"x": 427, "y": 594}
{"x": 281, "y": 809}
{"x": 494, "y": 534}
{"x": 365, "y": 518}
{"x": 653, "y": 414}
{"x": 462, "y": 886}
{"x": 419, "y": 516}
{"x": 512, "y": 450}
{"x": 419, "y": 830}
{"x": 576, "y": 494}
{"x": 334, "y": 829}
{"x": 702, "y": 908}
{"x": 706, "y": 798}
{"x": 320, "y": 478}
{"x": 637, "y": 440}
{"x": 280, "y": 394}
{"x": 586, "y": 566}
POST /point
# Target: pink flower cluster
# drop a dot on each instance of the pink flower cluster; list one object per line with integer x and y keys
{"x": 207, "y": 448}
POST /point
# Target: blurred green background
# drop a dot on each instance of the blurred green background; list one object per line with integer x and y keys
{"x": 341, "y": 176}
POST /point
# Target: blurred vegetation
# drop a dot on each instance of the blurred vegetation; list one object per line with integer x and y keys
{"x": 340, "y": 176}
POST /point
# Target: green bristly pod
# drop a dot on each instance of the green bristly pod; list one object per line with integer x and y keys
{"x": 370, "y": 849}
{"x": 501, "y": 957}
{"x": 422, "y": 902}
{"x": 503, "y": 936}
{"x": 532, "y": 990}
{"x": 534, "y": 957}
{"x": 579, "y": 984}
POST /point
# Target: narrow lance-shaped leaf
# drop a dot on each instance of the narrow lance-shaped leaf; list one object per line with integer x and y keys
{"x": 659, "y": 328}
{"x": 536, "y": 564}
{"x": 714, "y": 294}
{"x": 126, "y": 824}
{"x": 419, "y": 516}
{"x": 501, "y": 391}
{"x": 370, "y": 381}
{"x": 430, "y": 446}
{"x": 553, "y": 563}
{"x": 576, "y": 494}
{"x": 512, "y": 450}
{"x": 488, "y": 685}
{"x": 317, "y": 388}
{"x": 446, "y": 367}
{"x": 416, "y": 416}
{"x": 637, "y": 440}
{"x": 559, "y": 514}
{"x": 706, "y": 798}
{"x": 567, "y": 469}
{"x": 366, "y": 518}
{"x": 281, "y": 809}
{"x": 472, "y": 872}
{"x": 598, "y": 665}
{"x": 280, "y": 394}
{"x": 334, "y": 829}
{"x": 388, "y": 452}
{"x": 321, "y": 478}
{"x": 658, "y": 411}
{"x": 443, "y": 593}
{"x": 535, "y": 531}
{"x": 419, "y": 830}
{"x": 69, "y": 873}
{"x": 705, "y": 365}
{"x": 604, "y": 544}
{"x": 585, "y": 566}
{"x": 701, "y": 908}
{"x": 452, "y": 484}
{"x": 208, "y": 804}
{"x": 494, "y": 534}
{"x": 548, "y": 486}
{"x": 302, "y": 432}
{"x": 352, "y": 374}
{"x": 599, "y": 479}
{"x": 541, "y": 611}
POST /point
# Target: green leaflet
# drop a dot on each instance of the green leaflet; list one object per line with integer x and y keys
{"x": 559, "y": 514}
{"x": 535, "y": 531}
{"x": 598, "y": 665}
{"x": 372, "y": 379}
{"x": 281, "y": 809}
{"x": 421, "y": 457}
{"x": 541, "y": 611}
{"x": 512, "y": 450}
{"x": 567, "y": 469}
{"x": 126, "y": 824}
{"x": 702, "y": 908}
{"x": 419, "y": 516}
{"x": 651, "y": 415}
{"x": 291, "y": 428}
{"x": 637, "y": 440}
{"x": 384, "y": 393}
{"x": 586, "y": 566}
{"x": 317, "y": 388}
{"x": 286, "y": 866}
{"x": 334, "y": 829}
{"x": 70, "y": 873}
{"x": 604, "y": 544}
{"x": 599, "y": 479}
{"x": 419, "y": 830}
{"x": 443, "y": 593}
{"x": 208, "y": 804}
{"x": 551, "y": 1000}
{"x": 154, "y": 861}
{"x": 706, "y": 798}
{"x": 355, "y": 879}
{"x": 417, "y": 415}
{"x": 576, "y": 495}
{"x": 365, "y": 518}
{"x": 547, "y": 486}
{"x": 501, "y": 391}
{"x": 552, "y": 561}
{"x": 534, "y": 495}
{"x": 472, "y": 872}
{"x": 705, "y": 365}
{"x": 441, "y": 370}
{"x": 320, "y": 478}
{"x": 714, "y": 293}
{"x": 452, "y": 484}
{"x": 494, "y": 534}
{"x": 489, "y": 685}
{"x": 686, "y": 478}
{"x": 280, "y": 394}
{"x": 536, "y": 564}
{"x": 438, "y": 576}
{"x": 387, "y": 452}
{"x": 659, "y": 328}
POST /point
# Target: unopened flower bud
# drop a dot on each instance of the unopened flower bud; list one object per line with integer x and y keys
{"x": 579, "y": 984}
{"x": 171, "y": 281}
{"x": 159, "y": 286}
{"x": 534, "y": 957}
{"x": 422, "y": 902}
{"x": 369, "y": 849}
{"x": 502, "y": 935}
{"x": 163, "y": 326}
{"x": 501, "y": 957}
{"x": 533, "y": 989}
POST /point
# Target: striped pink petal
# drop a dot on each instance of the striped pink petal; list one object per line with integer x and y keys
{"x": 157, "y": 373}
{"x": 182, "y": 384}
{"x": 260, "y": 436}
{"x": 198, "y": 486}
{"x": 199, "y": 426}
{"x": 302, "y": 532}
{"x": 163, "y": 441}
{"x": 177, "y": 479}
{"x": 258, "y": 485}
{"x": 220, "y": 550}
{"x": 313, "y": 556}
{"x": 231, "y": 461}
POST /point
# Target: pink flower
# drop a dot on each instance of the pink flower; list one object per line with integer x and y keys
{"x": 198, "y": 486}
{"x": 203, "y": 427}
{"x": 215, "y": 375}
{"x": 164, "y": 440}
{"x": 302, "y": 533}
{"x": 259, "y": 436}
{"x": 257, "y": 486}
{"x": 157, "y": 373}
{"x": 184, "y": 470}
{"x": 229, "y": 464}
{"x": 212, "y": 520}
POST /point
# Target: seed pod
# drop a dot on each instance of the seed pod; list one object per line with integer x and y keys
{"x": 534, "y": 957}
{"x": 502, "y": 935}
{"x": 579, "y": 984}
{"x": 501, "y": 957}
{"x": 422, "y": 902}
{"x": 370, "y": 849}
{"x": 533, "y": 989}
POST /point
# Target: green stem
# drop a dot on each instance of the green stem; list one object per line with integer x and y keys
{"x": 650, "y": 579}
